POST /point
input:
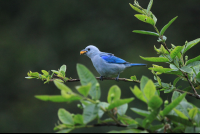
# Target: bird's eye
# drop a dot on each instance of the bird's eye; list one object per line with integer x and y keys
{"x": 88, "y": 49}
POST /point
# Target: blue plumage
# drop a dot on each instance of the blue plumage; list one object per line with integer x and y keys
{"x": 107, "y": 64}
{"x": 110, "y": 58}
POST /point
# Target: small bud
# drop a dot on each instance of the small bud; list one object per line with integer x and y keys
{"x": 79, "y": 106}
{"x": 186, "y": 58}
{"x": 166, "y": 102}
{"x": 97, "y": 101}
{"x": 173, "y": 46}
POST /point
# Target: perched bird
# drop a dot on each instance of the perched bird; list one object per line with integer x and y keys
{"x": 107, "y": 64}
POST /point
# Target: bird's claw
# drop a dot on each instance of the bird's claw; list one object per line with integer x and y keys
{"x": 101, "y": 78}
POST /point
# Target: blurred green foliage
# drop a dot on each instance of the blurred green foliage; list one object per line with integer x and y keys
{"x": 43, "y": 34}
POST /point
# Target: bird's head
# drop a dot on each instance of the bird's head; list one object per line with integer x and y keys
{"x": 90, "y": 51}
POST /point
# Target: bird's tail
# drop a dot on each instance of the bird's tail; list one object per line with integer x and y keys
{"x": 135, "y": 64}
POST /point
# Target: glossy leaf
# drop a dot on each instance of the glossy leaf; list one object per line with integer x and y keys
{"x": 155, "y": 59}
{"x": 193, "y": 112}
{"x": 53, "y": 98}
{"x": 145, "y": 19}
{"x": 180, "y": 120}
{"x": 149, "y": 90}
{"x": 175, "y": 81}
{"x": 193, "y": 60}
{"x": 155, "y": 102}
{"x": 186, "y": 69}
{"x": 146, "y": 32}
{"x": 121, "y": 110}
{"x": 180, "y": 114}
{"x": 176, "y": 51}
{"x": 84, "y": 90}
{"x": 103, "y": 105}
{"x": 173, "y": 104}
{"x": 190, "y": 45}
{"x": 71, "y": 97}
{"x": 161, "y": 70}
{"x": 149, "y": 6}
{"x": 120, "y": 102}
{"x": 63, "y": 87}
{"x": 141, "y": 112}
{"x": 138, "y": 93}
{"x": 166, "y": 26}
{"x": 63, "y": 68}
{"x": 78, "y": 119}
{"x": 65, "y": 117}
{"x": 90, "y": 112}
{"x": 136, "y": 9}
{"x": 87, "y": 77}
{"x": 143, "y": 82}
{"x": 114, "y": 94}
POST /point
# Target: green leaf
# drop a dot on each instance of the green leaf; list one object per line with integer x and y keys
{"x": 155, "y": 102}
{"x": 144, "y": 81}
{"x": 63, "y": 68}
{"x": 149, "y": 119}
{"x": 172, "y": 105}
{"x": 121, "y": 110}
{"x": 127, "y": 120}
{"x": 84, "y": 90}
{"x": 149, "y": 6}
{"x": 78, "y": 119}
{"x": 193, "y": 112}
{"x": 176, "y": 51}
{"x": 120, "y": 102}
{"x": 141, "y": 112}
{"x": 70, "y": 97}
{"x": 65, "y": 117}
{"x": 161, "y": 70}
{"x": 87, "y": 77}
{"x": 114, "y": 94}
{"x": 190, "y": 45}
{"x": 180, "y": 120}
{"x": 156, "y": 127}
{"x": 103, "y": 105}
{"x": 145, "y": 19}
{"x": 175, "y": 81}
{"x": 149, "y": 90}
{"x": 146, "y": 32}
{"x": 186, "y": 69}
{"x": 155, "y": 59}
{"x": 133, "y": 77}
{"x": 54, "y": 71}
{"x": 54, "y": 98}
{"x": 138, "y": 93}
{"x": 63, "y": 87}
{"x": 180, "y": 114}
{"x": 193, "y": 60}
{"x": 136, "y": 9}
{"x": 45, "y": 72}
{"x": 90, "y": 112}
{"x": 166, "y": 26}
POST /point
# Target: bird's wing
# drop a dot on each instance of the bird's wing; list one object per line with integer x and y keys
{"x": 110, "y": 58}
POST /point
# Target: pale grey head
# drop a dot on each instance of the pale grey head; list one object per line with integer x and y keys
{"x": 90, "y": 51}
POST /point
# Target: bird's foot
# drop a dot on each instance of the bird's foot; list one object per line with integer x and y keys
{"x": 117, "y": 78}
{"x": 101, "y": 78}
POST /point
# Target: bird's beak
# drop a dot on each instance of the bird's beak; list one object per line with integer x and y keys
{"x": 82, "y": 52}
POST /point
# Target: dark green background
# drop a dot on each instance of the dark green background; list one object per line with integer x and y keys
{"x": 45, "y": 34}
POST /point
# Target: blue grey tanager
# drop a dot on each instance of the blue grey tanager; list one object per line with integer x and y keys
{"x": 107, "y": 64}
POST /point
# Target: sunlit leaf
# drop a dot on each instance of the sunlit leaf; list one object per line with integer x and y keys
{"x": 114, "y": 94}
{"x": 146, "y": 32}
{"x": 65, "y": 117}
{"x": 120, "y": 102}
{"x": 166, "y": 26}
{"x": 145, "y": 19}
{"x": 155, "y": 59}
{"x": 190, "y": 45}
{"x": 176, "y": 51}
{"x": 141, "y": 112}
{"x": 90, "y": 112}
{"x": 138, "y": 93}
{"x": 136, "y": 9}
{"x": 193, "y": 60}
